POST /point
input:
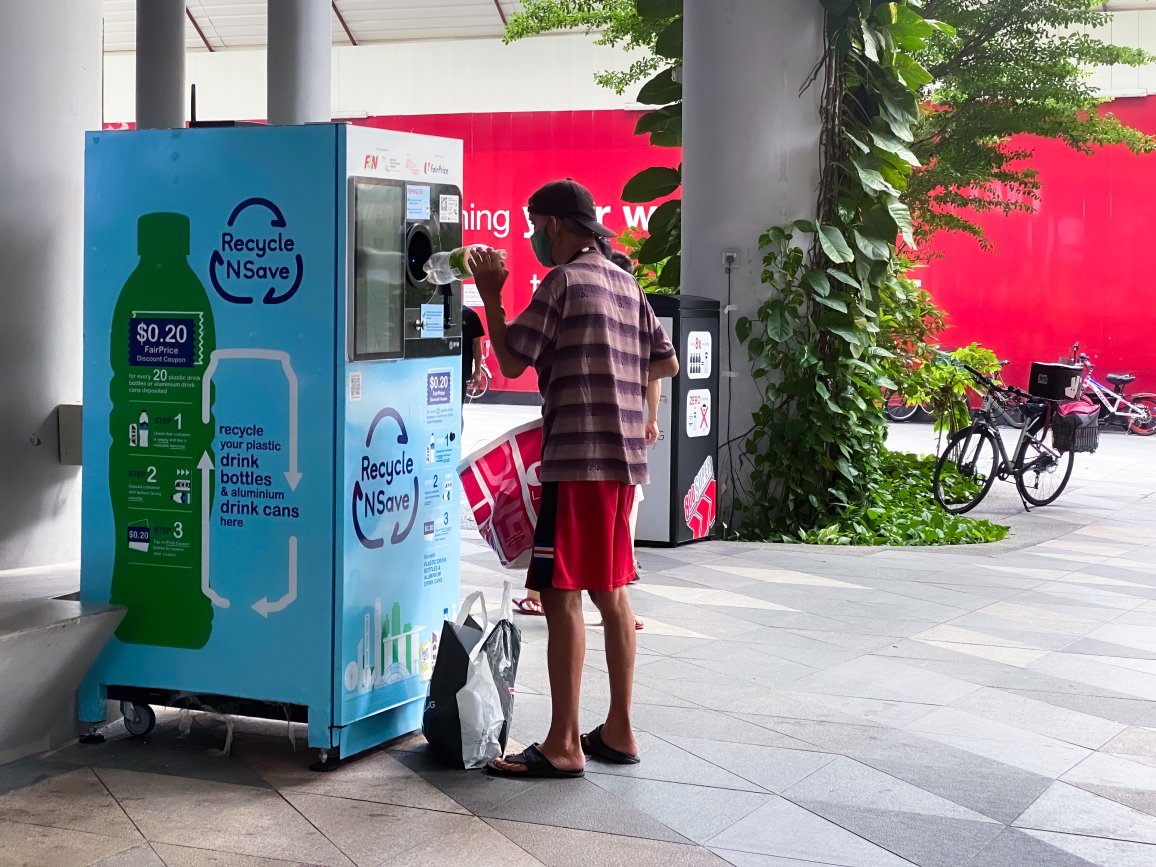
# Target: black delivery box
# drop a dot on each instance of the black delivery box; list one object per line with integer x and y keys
{"x": 1055, "y": 381}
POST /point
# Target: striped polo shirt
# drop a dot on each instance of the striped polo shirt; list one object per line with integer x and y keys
{"x": 591, "y": 335}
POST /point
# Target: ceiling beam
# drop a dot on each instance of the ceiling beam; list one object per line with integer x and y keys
{"x": 197, "y": 27}
{"x": 501, "y": 12}
{"x": 344, "y": 26}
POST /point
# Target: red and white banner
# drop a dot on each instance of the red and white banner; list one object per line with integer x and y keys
{"x": 502, "y": 483}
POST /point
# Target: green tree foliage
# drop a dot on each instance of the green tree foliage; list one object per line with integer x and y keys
{"x": 657, "y": 26}
{"x": 1013, "y": 67}
{"x": 617, "y": 23}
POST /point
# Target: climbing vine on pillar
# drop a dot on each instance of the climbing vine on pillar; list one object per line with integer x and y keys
{"x": 822, "y": 343}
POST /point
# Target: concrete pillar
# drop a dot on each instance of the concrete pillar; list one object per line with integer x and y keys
{"x": 750, "y": 157}
{"x": 300, "y": 47}
{"x": 160, "y": 64}
{"x": 50, "y": 58}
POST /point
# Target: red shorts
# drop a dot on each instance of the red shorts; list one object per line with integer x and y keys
{"x": 582, "y": 541}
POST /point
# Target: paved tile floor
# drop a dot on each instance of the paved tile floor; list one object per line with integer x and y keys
{"x": 798, "y": 707}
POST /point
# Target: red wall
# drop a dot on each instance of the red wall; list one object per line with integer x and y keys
{"x": 508, "y": 156}
{"x": 1079, "y": 268}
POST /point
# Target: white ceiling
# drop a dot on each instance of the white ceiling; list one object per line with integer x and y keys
{"x": 241, "y": 23}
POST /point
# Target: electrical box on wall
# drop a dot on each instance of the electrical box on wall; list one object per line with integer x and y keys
{"x": 68, "y": 429}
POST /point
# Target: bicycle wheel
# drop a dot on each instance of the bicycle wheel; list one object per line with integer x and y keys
{"x": 897, "y": 407}
{"x": 1041, "y": 472}
{"x": 477, "y": 393}
{"x": 1144, "y": 426}
{"x": 966, "y": 470}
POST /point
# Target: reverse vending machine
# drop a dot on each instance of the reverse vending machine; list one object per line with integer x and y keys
{"x": 271, "y": 423}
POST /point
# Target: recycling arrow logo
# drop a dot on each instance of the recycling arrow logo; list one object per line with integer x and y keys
{"x": 360, "y": 496}
{"x": 241, "y": 259}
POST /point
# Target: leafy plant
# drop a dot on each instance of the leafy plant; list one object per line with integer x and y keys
{"x": 816, "y": 345}
{"x": 901, "y": 510}
{"x": 632, "y": 241}
{"x": 948, "y": 387}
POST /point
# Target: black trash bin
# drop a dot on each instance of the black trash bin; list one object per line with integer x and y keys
{"x": 681, "y": 502}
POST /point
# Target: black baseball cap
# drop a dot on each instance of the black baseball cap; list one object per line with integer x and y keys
{"x": 568, "y": 198}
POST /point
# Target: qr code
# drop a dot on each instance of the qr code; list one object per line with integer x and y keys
{"x": 355, "y": 386}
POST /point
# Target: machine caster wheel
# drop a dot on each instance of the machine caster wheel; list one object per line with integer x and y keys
{"x": 325, "y": 763}
{"x": 90, "y": 737}
{"x": 139, "y": 719}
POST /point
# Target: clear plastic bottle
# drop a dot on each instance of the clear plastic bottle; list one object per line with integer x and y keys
{"x": 446, "y": 267}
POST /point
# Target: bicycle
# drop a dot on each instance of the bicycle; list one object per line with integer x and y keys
{"x": 1137, "y": 416}
{"x": 897, "y": 408}
{"x": 477, "y": 392}
{"x": 976, "y": 456}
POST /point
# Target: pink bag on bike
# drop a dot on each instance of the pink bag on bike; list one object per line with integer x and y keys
{"x": 1077, "y": 407}
{"x": 502, "y": 483}
{"x": 1076, "y": 426}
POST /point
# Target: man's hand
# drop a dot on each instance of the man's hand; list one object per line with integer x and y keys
{"x": 652, "y": 431}
{"x": 489, "y": 275}
{"x": 476, "y": 381}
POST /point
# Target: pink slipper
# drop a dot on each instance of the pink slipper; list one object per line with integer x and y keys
{"x": 528, "y": 606}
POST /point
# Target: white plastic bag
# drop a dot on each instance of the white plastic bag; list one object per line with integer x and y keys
{"x": 480, "y": 714}
{"x": 471, "y": 698}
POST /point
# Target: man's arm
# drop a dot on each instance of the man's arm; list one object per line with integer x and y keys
{"x": 477, "y": 356}
{"x": 511, "y": 367}
{"x": 667, "y": 368}
{"x": 653, "y": 396}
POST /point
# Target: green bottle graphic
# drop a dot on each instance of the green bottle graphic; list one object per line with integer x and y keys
{"x": 161, "y": 342}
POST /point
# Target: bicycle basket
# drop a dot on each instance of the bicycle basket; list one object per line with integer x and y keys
{"x": 1076, "y": 427}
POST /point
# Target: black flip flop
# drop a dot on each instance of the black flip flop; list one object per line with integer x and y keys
{"x": 538, "y": 767}
{"x": 593, "y": 745}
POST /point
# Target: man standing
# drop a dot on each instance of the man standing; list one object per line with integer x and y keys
{"x": 472, "y": 334}
{"x": 596, "y": 345}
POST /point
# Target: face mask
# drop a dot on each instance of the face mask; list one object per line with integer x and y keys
{"x": 542, "y": 245}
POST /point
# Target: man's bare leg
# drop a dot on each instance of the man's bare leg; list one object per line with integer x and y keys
{"x": 565, "y": 655}
{"x": 621, "y": 646}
